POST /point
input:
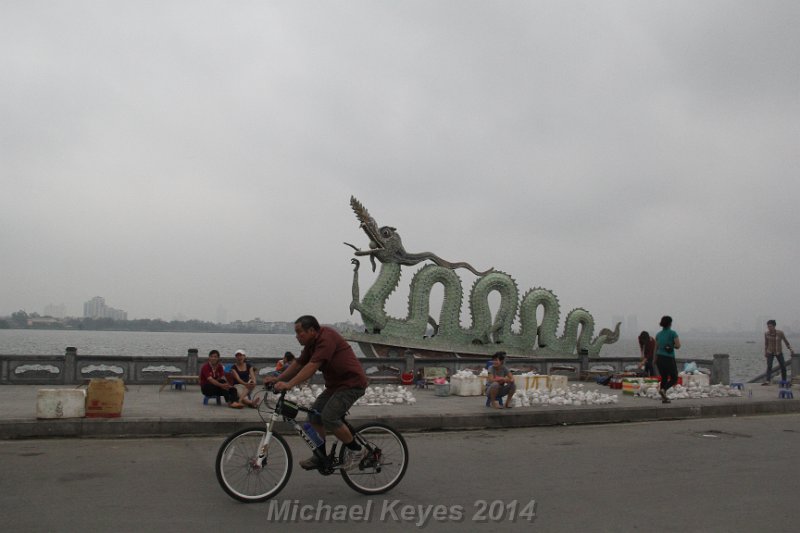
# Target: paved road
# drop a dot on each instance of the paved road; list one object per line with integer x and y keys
{"x": 705, "y": 475}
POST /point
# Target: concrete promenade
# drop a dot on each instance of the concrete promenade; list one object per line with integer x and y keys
{"x": 148, "y": 411}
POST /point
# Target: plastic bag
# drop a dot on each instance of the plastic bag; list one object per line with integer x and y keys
{"x": 690, "y": 368}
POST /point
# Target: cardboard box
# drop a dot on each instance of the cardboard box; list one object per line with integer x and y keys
{"x": 104, "y": 398}
{"x": 523, "y": 383}
{"x": 540, "y": 382}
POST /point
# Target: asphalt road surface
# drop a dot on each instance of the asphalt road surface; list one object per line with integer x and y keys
{"x": 732, "y": 474}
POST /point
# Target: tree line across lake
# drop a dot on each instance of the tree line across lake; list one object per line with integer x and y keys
{"x": 23, "y": 320}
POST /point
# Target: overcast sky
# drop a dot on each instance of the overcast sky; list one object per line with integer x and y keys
{"x": 636, "y": 158}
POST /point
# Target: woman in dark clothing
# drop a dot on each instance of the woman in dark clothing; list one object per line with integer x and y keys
{"x": 244, "y": 378}
{"x": 647, "y": 347}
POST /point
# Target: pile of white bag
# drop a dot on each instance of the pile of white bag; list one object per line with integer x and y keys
{"x": 573, "y": 395}
{"x": 387, "y": 395}
{"x": 304, "y": 395}
{"x": 374, "y": 395}
{"x": 693, "y": 391}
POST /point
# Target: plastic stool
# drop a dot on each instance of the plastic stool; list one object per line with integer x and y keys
{"x": 739, "y": 386}
{"x": 785, "y": 384}
{"x": 499, "y": 400}
{"x": 785, "y": 394}
{"x": 177, "y": 384}
{"x": 206, "y": 398}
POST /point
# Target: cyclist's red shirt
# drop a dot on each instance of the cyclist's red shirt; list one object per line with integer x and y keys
{"x": 338, "y": 363}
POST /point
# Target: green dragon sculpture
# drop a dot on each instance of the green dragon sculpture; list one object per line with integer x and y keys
{"x": 533, "y": 338}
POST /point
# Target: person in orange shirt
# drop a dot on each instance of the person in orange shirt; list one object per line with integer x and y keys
{"x": 282, "y": 364}
{"x": 288, "y": 357}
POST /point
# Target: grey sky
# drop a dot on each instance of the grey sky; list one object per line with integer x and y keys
{"x": 633, "y": 157}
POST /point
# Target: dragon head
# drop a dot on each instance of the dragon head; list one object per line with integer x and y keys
{"x": 384, "y": 242}
{"x": 387, "y": 247}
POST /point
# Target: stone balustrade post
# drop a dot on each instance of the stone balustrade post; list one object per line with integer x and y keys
{"x": 191, "y": 366}
{"x": 721, "y": 369}
{"x": 794, "y": 365}
{"x": 584, "y": 355}
{"x": 70, "y": 365}
{"x": 409, "y": 363}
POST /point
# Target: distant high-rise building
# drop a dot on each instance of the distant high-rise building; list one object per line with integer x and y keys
{"x": 97, "y": 308}
{"x": 94, "y": 307}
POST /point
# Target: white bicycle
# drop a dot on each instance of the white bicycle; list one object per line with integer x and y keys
{"x": 254, "y": 464}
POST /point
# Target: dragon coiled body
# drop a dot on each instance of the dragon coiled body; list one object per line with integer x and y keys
{"x": 533, "y": 337}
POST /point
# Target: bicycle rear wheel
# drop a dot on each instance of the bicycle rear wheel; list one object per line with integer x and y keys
{"x": 239, "y": 473}
{"x": 384, "y": 466}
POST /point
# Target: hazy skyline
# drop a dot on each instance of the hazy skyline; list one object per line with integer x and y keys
{"x": 175, "y": 158}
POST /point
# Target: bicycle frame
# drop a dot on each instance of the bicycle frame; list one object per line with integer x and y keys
{"x": 328, "y": 463}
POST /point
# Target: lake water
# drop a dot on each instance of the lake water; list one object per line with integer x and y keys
{"x": 746, "y": 352}
{"x": 143, "y": 343}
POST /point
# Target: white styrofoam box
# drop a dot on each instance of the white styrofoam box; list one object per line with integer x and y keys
{"x": 474, "y": 386}
{"x": 558, "y": 382}
{"x": 455, "y": 385}
{"x": 700, "y": 379}
{"x": 466, "y": 386}
{"x": 61, "y": 403}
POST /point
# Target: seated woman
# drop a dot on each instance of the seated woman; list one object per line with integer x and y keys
{"x": 213, "y": 382}
{"x": 244, "y": 378}
{"x": 500, "y": 382}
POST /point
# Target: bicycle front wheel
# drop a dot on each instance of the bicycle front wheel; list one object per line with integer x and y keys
{"x": 385, "y": 462}
{"x": 246, "y": 478}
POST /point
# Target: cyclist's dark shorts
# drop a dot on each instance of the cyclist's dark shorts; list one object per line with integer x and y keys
{"x": 332, "y": 406}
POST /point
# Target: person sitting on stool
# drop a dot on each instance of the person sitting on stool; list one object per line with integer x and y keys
{"x": 500, "y": 382}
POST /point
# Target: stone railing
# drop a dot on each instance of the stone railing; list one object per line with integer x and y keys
{"x": 72, "y": 368}
{"x": 384, "y": 368}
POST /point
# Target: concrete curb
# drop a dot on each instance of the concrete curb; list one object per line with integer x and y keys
{"x": 490, "y": 419}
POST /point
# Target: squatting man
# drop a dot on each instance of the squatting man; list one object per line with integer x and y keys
{"x": 345, "y": 382}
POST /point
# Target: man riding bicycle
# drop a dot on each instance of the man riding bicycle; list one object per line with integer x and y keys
{"x": 345, "y": 382}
